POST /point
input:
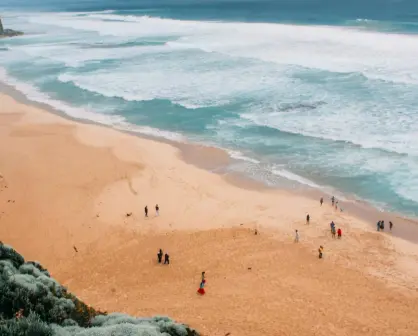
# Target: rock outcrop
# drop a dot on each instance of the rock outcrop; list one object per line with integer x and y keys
{"x": 8, "y": 32}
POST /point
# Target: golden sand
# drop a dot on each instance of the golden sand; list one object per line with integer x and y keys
{"x": 65, "y": 192}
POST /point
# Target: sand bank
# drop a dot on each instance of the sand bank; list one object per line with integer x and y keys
{"x": 67, "y": 186}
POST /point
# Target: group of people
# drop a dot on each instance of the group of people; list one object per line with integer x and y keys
{"x": 166, "y": 256}
{"x": 333, "y": 232}
{"x": 160, "y": 257}
{"x": 157, "y": 210}
{"x": 381, "y": 225}
{"x": 334, "y": 202}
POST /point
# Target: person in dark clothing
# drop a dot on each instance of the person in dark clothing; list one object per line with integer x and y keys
{"x": 333, "y": 200}
{"x": 146, "y": 211}
{"x": 157, "y": 210}
{"x": 390, "y": 226}
{"x": 321, "y": 200}
{"x": 307, "y": 218}
{"x": 333, "y": 232}
{"x": 160, "y": 256}
{"x": 378, "y": 226}
{"x": 166, "y": 259}
{"x": 382, "y": 225}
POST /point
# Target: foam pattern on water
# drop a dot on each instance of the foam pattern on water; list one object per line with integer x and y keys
{"x": 325, "y": 106}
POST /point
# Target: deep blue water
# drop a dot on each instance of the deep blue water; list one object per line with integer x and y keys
{"x": 322, "y": 93}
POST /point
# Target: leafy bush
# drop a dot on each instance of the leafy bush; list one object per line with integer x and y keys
{"x": 48, "y": 309}
{"x": 25, "y": 326}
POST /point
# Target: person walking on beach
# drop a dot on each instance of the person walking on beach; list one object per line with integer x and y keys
{"x": 321, "y": 200}
{"x": 390, "y": 225}
{"x": 320, "y": 251}
{"x": 336, "y": 205}
{"x": 160, "y": 256}
{"x": 333, "y": 200}
{"x": 378, "y": 226}
{"x": 201, "y": 289}
{"x": 157, "y": 210}
{"x": 307, "y": 218}
{"x": 166, "y": 259}
{"x": 382, "y": 225}
{"x": 333, "y": 232}
{"x": 296, "y": 236}
{"x": 339, "y": 233}
{"x": 146, "y": 211}
{"x": 332, "y": 225}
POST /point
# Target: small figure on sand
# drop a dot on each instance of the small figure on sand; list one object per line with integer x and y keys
{"x": 339, "y": 233}
{"x": 332, "y": 225}
{"x": 378, "y": 226}
{"x": 332, "y": 200}
{"x": 255, "y": 232}
{"x": 157, "y": 210}
{"x": 201, "y": 289}
{"x": 146, "y": 211}
{"x": 321, "y": 200}
{"x": 308, "y": 218}
{"x": 166, "y": 259}
{"x": 320, "y": 251}
{"x": 333, "y": 232}
{"x": 382, "y": 225}
{"x": 390, "y": 225}
{"x": 160, "y": 256}
{"x": 336, "y": 205}
{"x": 296, "y": 236}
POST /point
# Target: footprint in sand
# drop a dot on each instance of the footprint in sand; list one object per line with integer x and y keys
{"x": 3, "y": 182}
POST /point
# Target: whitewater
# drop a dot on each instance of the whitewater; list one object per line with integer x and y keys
{"x": 333, "y": 107}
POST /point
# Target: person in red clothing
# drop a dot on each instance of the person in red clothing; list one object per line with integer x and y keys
{"x": 339, "y": 233}
{"x": 201, "y": 289}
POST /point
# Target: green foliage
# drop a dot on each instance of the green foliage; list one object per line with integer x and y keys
{"x": 49, "y": 310}
{"x": 25, "y": 326}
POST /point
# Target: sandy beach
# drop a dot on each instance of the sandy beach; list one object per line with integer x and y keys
{"x": 72, "y": 196}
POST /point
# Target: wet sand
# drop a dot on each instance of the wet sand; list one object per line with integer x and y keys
{"x": 65, "y": 184}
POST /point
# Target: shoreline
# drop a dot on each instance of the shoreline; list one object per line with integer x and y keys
{"x": 72, "y": 197}
{"x": 217, "y": 160}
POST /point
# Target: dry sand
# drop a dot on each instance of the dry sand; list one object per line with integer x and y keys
{"x": 65, "y": 185}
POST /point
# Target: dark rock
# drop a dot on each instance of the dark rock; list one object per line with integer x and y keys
{"x": 8, "y": 32}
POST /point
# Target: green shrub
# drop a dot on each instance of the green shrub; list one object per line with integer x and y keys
{"x": 25, "y": 326}
{"x": 50, "y": 310}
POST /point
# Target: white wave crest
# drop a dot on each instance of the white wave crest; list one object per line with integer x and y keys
{"x": 294, "y": 177}
{"x": 337, "y": 49}
{"x": 237, "y": 155}
{"x": 116, "y": 121}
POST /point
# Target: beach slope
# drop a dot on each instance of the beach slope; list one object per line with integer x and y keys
{"x": 72, "y": 196}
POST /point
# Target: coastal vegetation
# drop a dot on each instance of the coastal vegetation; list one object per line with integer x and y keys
{"x": 32, "y": 303}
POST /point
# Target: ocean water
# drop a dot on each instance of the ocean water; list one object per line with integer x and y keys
{"x": 319, "y": 93}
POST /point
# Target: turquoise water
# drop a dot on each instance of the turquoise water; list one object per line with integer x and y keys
{"x": 317, "y": 93}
